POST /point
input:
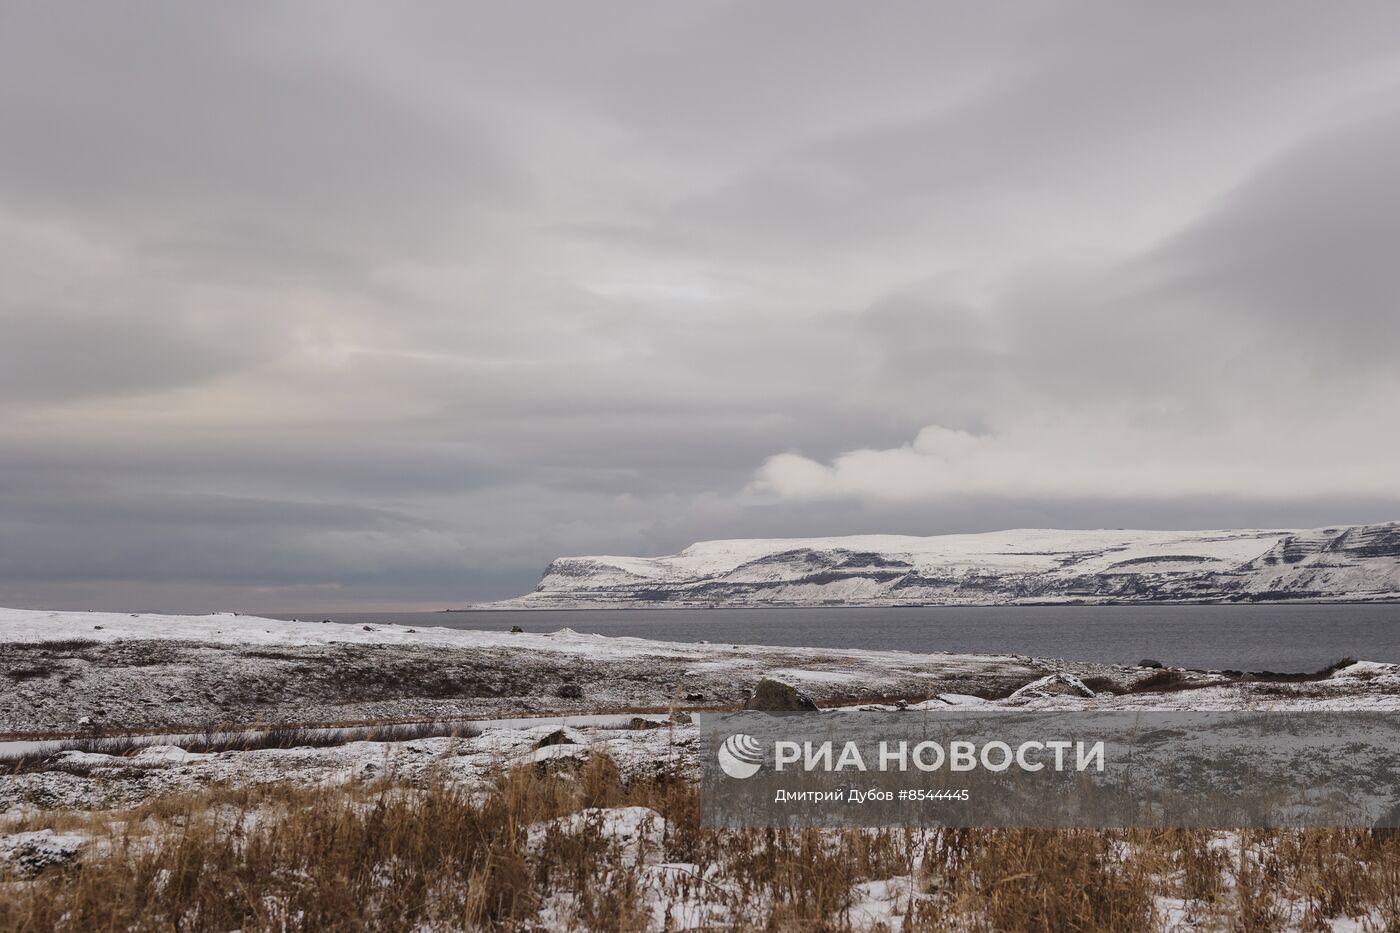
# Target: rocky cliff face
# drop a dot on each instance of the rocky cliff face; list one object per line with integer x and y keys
{"x": 1021, "y": 566}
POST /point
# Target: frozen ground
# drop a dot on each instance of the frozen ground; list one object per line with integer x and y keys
{"x": 77, "y": 780}
{"x": 84, "y": 674}
{"x": 127, "y": 673}
{"x": 69, "y": 673}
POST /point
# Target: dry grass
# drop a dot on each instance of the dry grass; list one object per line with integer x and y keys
{"x": 437, "y": 856}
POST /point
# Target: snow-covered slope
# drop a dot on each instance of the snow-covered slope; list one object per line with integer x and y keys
{"x": 1021, "y": 566}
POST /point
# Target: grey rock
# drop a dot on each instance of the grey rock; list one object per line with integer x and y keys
{"x": 1057, "y": 684}
{"x": 775, "y": 696}
{"x": 560, "y": 736}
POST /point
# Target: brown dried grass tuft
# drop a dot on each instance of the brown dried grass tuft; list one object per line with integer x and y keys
{"x": 396, "y": 856}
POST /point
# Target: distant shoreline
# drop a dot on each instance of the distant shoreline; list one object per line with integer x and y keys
{"x": 1116, "y": 604}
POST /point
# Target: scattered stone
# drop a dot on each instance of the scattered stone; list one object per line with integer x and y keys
{"x": 775, "y": 696}
{"x": 1148, "y": 662}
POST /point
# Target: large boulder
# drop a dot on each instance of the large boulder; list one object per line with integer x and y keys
{"x": 775, "y": 696}
{"x": 559, "y": 735}
{"x": 1057, "y": 684}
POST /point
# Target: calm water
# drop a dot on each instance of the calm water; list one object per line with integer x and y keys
{"x": 1277, "y": 638}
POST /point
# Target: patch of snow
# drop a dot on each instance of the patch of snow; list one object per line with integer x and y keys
{"x": 31, "y": 852}
{"x": 945, "y": 700}
{"x": 638, "y": 829}
{"x": 168, "y": 754}
{"x": 827, "y": 677}
{"x": 555, "y": 753}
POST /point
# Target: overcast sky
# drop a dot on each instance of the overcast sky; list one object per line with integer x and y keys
{"x": 337, "y": 305}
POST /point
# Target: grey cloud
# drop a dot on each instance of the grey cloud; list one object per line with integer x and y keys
{"x": 1291, "y": 265}
{"x": 337, "y": 304}
{"x": 60, "y": 353}
{"x": 1087, "y": 105}
{"x": 173, "y": 115}
{"x": 1304, "y": 252}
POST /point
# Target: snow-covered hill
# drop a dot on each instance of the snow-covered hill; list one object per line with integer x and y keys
{"x": 1360, "y": 562}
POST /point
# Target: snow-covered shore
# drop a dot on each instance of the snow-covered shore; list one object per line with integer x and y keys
{"x": 80, "y": 674}
{"x": 68, "y": 671}
{"x": 75, "y": 673}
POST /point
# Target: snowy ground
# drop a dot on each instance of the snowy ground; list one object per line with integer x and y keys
{"x": 76, "y": 780}
{"x": 66, "y": 673}
{"x": 144, "y": 673}
{"x": 128, "y": 674}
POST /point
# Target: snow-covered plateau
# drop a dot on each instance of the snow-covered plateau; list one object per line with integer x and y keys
{"x": 1344, "y": 563}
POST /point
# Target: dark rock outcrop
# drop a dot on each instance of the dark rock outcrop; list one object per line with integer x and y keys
{"x": 775, "y": 696}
